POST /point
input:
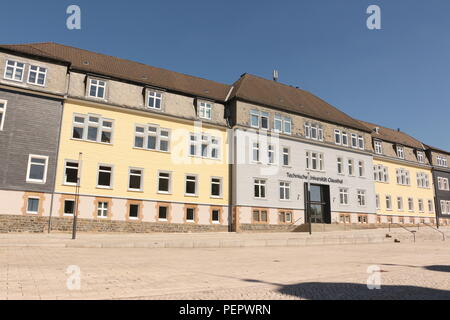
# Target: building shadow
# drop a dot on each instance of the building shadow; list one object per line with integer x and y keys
{"x": 354, "y": 291}
{"x": 438, "y": 268}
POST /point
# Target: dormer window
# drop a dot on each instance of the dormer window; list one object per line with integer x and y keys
{"x": 420, "y": 156}
{"x": 204, "y": 110}
{"x": 14, "y": 70}
{"x": 400, "y": 152}
{"x": 154, "y": 100}
{"x": 37, "y": 75}
{"x": 97, "y": 88}
{"x": 378, "y": 147}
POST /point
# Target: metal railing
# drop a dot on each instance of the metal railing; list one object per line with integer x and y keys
{"x": 435, "y": 229}
{"x": 410, "y": 231}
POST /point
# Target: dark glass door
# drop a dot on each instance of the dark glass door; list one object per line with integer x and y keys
{"x": 319, "y": 200}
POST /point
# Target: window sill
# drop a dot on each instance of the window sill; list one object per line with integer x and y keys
{"x": 216, "y": 197}
{"x": 68, "y": 184}
{"x": 90, "y": 141}
{"x": 162, "y": 220}
{"x": 154, "y": 150}
{"x": 191, "y": 195}
{"x": 164, "y": 192}
{"x": 104, "y": 188}
{"x": 36, "y": 84}
{"x": 35, "y": 182}
{"x": 33, "y": 213}
{"x": 135, "y": 190}
{"x": 216, "y": 222}
{"x": 133, "y": 218}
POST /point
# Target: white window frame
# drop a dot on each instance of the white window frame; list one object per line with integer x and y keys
{"x": 400, "y": 152}
{"x": 286, "y": 155}
{"x": 44, "y": 179}
{"x": 340, "y": 165}
{"x": 421, "y": 205}
{"x": 287, "y": 123}
{"x": 169, "y": 182}
{"x": 351, "y": 167}
{"x": 421, "y": 156}
{"x": 220, "y": 183}
{"x": 195, "y": 180}
{"x": 381, "y": 173}
{"x": 38, "y": 72}
{"x": 278, "y": 122}
{"x": 157, "y": 96}
{"x": 410, "y": 204}
{"x": 361, "y": 169}
{"x": 212, "y": 143}
{"x": 361, "y": 198}
{"x": 423, "y": 180}
{"x": 354, "y": 141}
{"x": 261, "y": 184}
{"x": 378, "y": 146}
{"x": 318, "y": 157}
{"x": 343, "y": 197}
{"x": 388, "y": 202}
{"x": 88, "y": 123}
{"x": 110, "y": 178}
{"x": 403, "y": 177}
{"x": 152, "y": 130}
{"x": 39, "y": 204}
{"x": 97, "y": 86}
{"x": 285, "y": 190}
{"x": 141, "y": 184}
{"x": 400, "y": 204}
{"x": 337, "y": 137}
{"x": 256, "y": 152}
{"x": 255, "y": 113}
{"x": 15, "y": 68}
{"x": 361, "y": 144}
{"x": 205, "y": 110}
{"x": 271, "y": 154}
{"x": 345, "y": 139}
{"x": 3, "y": 112}
{"x": 71, "y": 167}
{"x": 101, "y": 210}
{"x": 430, "y": 206}
{"x": 377, "y": 202}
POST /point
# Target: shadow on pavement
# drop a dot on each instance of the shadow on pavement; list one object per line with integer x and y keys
{"x": 354, "y": 291}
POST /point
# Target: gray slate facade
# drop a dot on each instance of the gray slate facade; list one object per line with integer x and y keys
{"x": 32, "y": 126}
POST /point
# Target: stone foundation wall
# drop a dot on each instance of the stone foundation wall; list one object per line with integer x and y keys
{"x": 15, "y": 223}
{"x": 267, "y": 227}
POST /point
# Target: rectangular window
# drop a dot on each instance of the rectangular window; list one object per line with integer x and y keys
{"x": 164, "y": 182}
{"x": 313, "y": 131}
{"x": 361, "y": 168}
{"x": 361, "y": 198}
{"x": 37, "y": 169}
{"x": 340, "y": 165}
{"x": 388, "y": 203}
{"x": 215, "y": 216}
{"x": 344, "y": 139}
{"x": 343, "y": 196}
{"x": 378, "y": 147}
{"x": 351, "y": 167}
{"x": 154, "y": 100}
{"x": 92, "y": 128}
{"x": 423, "y": 180}
{"x": 260, "y": 189}
{"x": 307, "y": 130}
{"x": 102, "y": 209}
{"x": 443, "y": 184}
{"x": 421, "y": 207}
{"x": 337, "y": 136}
{"x": 381, "y": 173}
{"x": 260, "y": 216}
{"x": 442, "y": 161}
{"x": 33, "y": 205}
{"x": 278, "y": 123}
{"x": 430, "y": 206}
{"x": 2, "y": 113}
{"x": 216, "y": 187}
{"x": 287, "y": 125}
{"x": 314, "y": 161}
{"x": 14, "y": 70}
{"x": 104, "y": 176}
{"x": 403, "y": 177}
{"x": 285, "y": 217}
{"x": 135, "y": 179}
{"x": 162, "y": 213}
{"x": 190, "y": 214}
{"x": 70, "y": 172}
{"x": 410, "y": 204}
{"x": 97, "y": 88}
{"x": 285, "y": 190}
{"x": 37, "y": 75}
{"x": 69, "y": 207}
{"x": 361, "y": 142}
{"x": 204, "y": 145}
{"x": 285, "y": 156}
{"x": 254, "y": 118}
{"x": 354, "y": 140}
{"x": 420, "y": 156}
{"x": 400, "y": 152}
{"x": 133, "y": 211}
{"x": 204, "y": 110}
{"x": 400, "y": 203}
{"x": 152, "y": 137}
{"x": 377, "y": 201}
{"x": 255, "y": 152}
{"x": 191, "y": 185}
{"x": 264, "y": 120}
{"x": 271, "y": 154}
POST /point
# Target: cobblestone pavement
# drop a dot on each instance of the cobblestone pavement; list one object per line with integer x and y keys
{"x": 409, "y": 271}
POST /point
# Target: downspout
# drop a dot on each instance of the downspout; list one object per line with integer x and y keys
{"x": 57, "y": 151}
{"x": 230, "y": 136}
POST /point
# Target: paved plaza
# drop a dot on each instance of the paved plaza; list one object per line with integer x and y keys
{"x": 408, "y": 271}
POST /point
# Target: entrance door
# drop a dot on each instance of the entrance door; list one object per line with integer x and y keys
{"x": 319, "y": 200}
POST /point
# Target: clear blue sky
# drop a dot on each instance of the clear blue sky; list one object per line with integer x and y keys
{"x": 396, "y": 77}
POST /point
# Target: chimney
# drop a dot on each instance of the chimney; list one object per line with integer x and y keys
{"x": 377, "y": 130}
{"x": 275, "y": 75}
